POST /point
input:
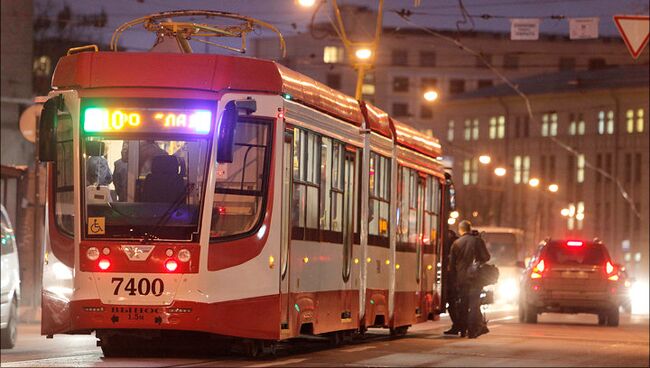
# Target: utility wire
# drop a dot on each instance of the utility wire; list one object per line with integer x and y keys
{"x": 529, "y": 109}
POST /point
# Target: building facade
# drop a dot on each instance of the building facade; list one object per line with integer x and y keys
{"x": 16, "y": 60}
{"x": 588, "y": 135}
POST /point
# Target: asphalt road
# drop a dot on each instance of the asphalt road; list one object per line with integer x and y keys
{"x": 557, "y": 340}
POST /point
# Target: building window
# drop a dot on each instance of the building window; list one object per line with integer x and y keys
{"x": 497, "y": 127}
{"x": 427, "y": 58}
{"x": 606, "y": 122}
{"x": 426, "y": 112}
{"x": 571, "y": 218}
{"x": 427, "y": 84}
{"x": 597, "y": 63}
{"x": 399, "y": 58}
{"x": 549, "y": 124}
{"x": 468, "y": 129}
{"x": 333, "y": 80}
{"x": 485, "y": 83}
{"x": 483, "y": 60}
{"x": 628, "y": 167}
{"x": 510, "y": 61}
{"x": 635, "y": 120}
{"x": 576, "y": 125}
{"x": 470, "y": 171}
{"x": 567, "y": 63}
{"x": 580, "y": 173}
{"x": 400, "y": 109}
{"x": 551, "y": 168}
{"x": 475, "y": 129}
{"x": 522, "y": 169}
{"x": 368, "y": 87}
{"x": 333, "y": 54}
{"x": 400, "y": 84}
{"x": 450, "y": 131}
{"x": 580, "y": 214}
{"x": 42, "y": 66}
{"x": 456, "y": 86}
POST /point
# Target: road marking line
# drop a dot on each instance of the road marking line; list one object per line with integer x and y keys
{"x": 283, "y": 362}
{"x": 507, "y": 318}
{"x": 360, "y": 348}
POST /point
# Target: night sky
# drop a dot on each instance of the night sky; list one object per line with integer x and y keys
{"x": 291, "y": 19}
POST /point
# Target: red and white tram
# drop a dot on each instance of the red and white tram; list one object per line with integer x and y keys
{"x": 231, "y": 196}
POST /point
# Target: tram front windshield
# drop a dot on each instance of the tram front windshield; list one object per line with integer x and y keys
{"x": 143, "y": 188}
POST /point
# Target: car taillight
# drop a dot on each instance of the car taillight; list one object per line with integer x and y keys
{"x": 104, "y": 264}
{"x": 609, "y": 268}
{"x": 538, "y": 270}
{"x": 171, "y": 265}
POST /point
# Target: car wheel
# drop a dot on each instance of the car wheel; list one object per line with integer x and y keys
{"x": 613, "y": 317}
{"x": 10, "y": 333}
{"x": 602, "y": 319}
{"x": 531, "y": 314}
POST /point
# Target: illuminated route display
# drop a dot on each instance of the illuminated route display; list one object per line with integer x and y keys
{"x": 146, "y": 120}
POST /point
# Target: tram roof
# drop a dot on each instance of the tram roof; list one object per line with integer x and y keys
{"x": 222, "y": 72}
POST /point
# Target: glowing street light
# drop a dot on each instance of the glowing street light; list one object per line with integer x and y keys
{"x": 306, "y": 3}
{"x": 451, "y": 221}
{"x": 564, "y": 212}
{"x": 430, "y": 95}
{"x": 580, "y": 216}
{"x": 363, "y": 53}
{"x": 499, "y": 171}
{"x": 533, "y": 182}
{"x": 484, "y": 159}
{"x": 454, "y": 214}
{"x": 553, "y": 188}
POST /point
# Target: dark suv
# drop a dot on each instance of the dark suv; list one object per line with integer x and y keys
{"x": 571, "y": 276}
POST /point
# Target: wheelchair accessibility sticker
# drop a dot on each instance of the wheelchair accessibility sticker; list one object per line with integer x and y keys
{"x": 96, "y": 225}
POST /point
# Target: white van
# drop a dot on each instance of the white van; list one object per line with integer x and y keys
{"x": 10, "y": 283}
{"x": 507, "y": 253}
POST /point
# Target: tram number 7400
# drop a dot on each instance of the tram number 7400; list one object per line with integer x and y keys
{"x": 139, "y": 287}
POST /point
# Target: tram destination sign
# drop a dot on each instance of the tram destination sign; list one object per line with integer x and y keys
{"x": 146, "y": 120}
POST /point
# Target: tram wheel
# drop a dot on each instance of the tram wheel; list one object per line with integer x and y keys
{"x": 399, "y": 331}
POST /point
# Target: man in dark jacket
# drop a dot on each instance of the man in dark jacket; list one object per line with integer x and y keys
{"x": 465, "y": 251}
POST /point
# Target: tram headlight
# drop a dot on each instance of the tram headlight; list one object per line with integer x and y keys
{"x": 92, "y": 253}
{"x": 184, "y": 255}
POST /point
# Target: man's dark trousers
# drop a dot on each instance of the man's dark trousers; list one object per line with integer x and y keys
{"x": 469, "y": 310}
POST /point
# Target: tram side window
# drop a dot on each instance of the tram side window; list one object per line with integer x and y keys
{"x": 307, "y": 157}
{"x": 64, "y": 204}
{"x": 379, "y": 195}
{"x": 407, "y": 219}
{"x": 432, "y": 214}
{"x": 240, "y": 188}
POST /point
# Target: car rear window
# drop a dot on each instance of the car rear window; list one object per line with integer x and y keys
{"x": 587, "y": 254}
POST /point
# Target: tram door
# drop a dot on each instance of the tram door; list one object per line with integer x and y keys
{"x": 420, "y": 277}
{"x": 348, "y": 233}
{"x": 285, "y": 247}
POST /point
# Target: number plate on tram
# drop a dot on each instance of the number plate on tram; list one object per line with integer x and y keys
{"x": 137, "y": 289}
{"x": 134, "y": 286}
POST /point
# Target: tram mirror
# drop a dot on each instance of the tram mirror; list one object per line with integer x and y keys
{"x": 226, "y": 134}
{"x": 47, "y": 130}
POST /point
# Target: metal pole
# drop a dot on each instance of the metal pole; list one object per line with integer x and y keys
{"x": 361, "y": 73}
